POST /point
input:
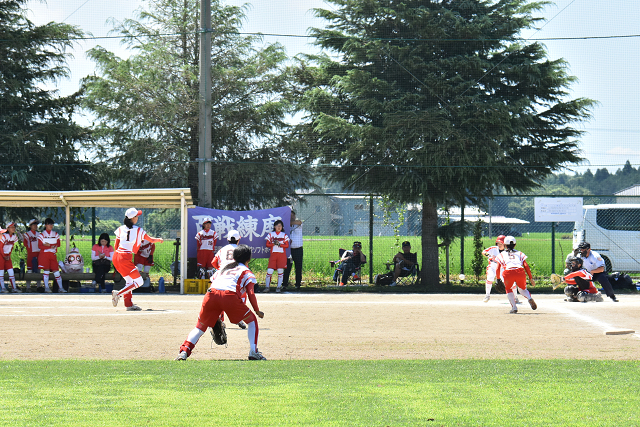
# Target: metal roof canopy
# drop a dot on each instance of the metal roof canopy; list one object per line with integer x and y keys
{"x": 169, "y": 198}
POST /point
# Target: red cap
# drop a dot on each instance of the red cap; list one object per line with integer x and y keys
{"x": 500, "y": 239}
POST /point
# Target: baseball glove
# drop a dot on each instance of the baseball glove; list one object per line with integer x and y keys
{"x": 499, "y": 286}
{"x": 218, "y": 333}
{"x": 556, "y": 281}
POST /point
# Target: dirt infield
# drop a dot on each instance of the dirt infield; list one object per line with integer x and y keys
{"x": 323, "y": 326}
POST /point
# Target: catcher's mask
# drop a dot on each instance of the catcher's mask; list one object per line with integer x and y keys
{"x": 576, "y": 264}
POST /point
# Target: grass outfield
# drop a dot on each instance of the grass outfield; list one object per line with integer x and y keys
{"x": 332, "y": 393}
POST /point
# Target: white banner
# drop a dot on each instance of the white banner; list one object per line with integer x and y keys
{"x": 558, "y": 209}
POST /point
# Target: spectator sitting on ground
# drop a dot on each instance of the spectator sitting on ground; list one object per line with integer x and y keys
{"x": 404, "y": 262}
{"x": 350, "y": 262}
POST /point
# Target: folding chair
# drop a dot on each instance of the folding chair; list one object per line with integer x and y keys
{"x": 355, "y": 278}
{"x": 407, "y": 277}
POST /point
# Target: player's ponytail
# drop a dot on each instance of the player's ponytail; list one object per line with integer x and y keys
{"x": 128, "y": 222}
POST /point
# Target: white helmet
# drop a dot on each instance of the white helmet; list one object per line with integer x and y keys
{"x": 509, "y": 240}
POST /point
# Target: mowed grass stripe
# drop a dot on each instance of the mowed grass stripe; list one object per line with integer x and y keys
{"x": 325, "y": 393}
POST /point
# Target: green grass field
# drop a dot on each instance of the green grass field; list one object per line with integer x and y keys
{"x": 320, "y": 393}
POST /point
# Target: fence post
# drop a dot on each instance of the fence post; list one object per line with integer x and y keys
{"x": 370, "y": 238}
{"x": 464, "y": 234}
{"x": 553, "y": 247}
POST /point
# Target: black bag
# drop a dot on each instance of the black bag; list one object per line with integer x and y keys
{"x": 621, "y": 281}
{"x": 384, "y": 279}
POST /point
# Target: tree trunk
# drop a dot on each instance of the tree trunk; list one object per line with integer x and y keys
{"x": 430, "y": 271}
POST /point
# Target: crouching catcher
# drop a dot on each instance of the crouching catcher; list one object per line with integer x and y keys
{"x": 225, "y": 295}
{"x": 580, "y": 287}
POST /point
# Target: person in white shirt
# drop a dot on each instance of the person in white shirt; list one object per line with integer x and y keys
{"x": 594, "y": 264}
{"x": 297, "y": 253}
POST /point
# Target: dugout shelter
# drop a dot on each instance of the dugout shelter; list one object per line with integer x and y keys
{"x": 164, "y": 198}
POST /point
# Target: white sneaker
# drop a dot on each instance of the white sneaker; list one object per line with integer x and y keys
{"x": 48, "y": 291}
{"x": 61, "y": 290}
{"x": 256, "y": 355}
{"x": 278, "y": 289}
{"x": 16, "y": 291}
{"x": 115, "y": 298}
{"x": 242, "y": 325}
{"x": 518, "y": 301}
{"x": 134, "y": 308}
{"x": 265, "y": 290}
{"x": 182, "y": 356}
{"x": 514, "y": 311}
{"x": 487, "y": 298}
{"x": 4, "y": 291}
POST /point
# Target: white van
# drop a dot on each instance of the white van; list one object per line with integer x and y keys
{"x": 614, "y": 232}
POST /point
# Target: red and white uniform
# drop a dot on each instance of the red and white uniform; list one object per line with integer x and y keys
{"x": 513, "y": 265}
{"x": 224, "y": 295}
{"x": 278, "y": 257}
{"x": 47, "y": 259}
{"x": 128, "y": 242}
{"x": 224, "y": 256}
{"x": 491, "y": 253}
{"x": 206, "y": 240}
{"x": 6, "y": 247}
{"x": 142, "y": 256}
{"x": 571, "y": 280}
{"x": 30, "y": 241}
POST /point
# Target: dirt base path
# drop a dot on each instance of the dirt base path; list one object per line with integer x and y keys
{"x": 323, "y": 326}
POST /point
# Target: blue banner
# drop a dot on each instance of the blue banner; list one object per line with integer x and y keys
{"x": 253, "y": 227}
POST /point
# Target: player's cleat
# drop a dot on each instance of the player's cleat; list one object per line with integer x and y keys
{"x": 518, "y": 301}
{"x": 61, "y": 290}
{"x": 533, "y": 304}
{"x": 278, "y": 289}
{"x": 392, "y": 284}
{"x": 514, "y": 311}
{"x": 4, "y": 291}
{"x": 16, "y": 291}
{"x": 48, "y": 290}
{"x": 115, "y": 298}
{"x": 182, "y": 356}
{"x": 256, "y": 355}
{"x": 134, "y": 308}
{"x": 613, "y": 298}
{"x": 266, "y": 290}
{"x": 486, "y": 299}
{"x": 242, "y": 325}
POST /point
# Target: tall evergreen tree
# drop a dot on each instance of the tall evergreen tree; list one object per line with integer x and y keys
{"x": 39, "y": 141}
{"x": 148, "y": 113}
{"x": 436, "y": 102}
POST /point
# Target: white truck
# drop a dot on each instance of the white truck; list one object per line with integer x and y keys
{"x": 614, "y": 232}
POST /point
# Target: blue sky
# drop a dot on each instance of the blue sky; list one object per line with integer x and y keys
{"x": 608, "y": 69}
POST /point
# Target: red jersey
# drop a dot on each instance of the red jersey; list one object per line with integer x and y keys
{"x": 146, "y": 249}
{"x": 6, "y": 243}
{"x": 30, "y": 241}
{"x": 571, "y": 280}
{"x": 281, "y": 238}
{"x": 206, "y": 240}
{"x": 50, "y": 237}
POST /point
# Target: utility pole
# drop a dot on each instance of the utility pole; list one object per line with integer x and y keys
{"x": 204, "y": 166}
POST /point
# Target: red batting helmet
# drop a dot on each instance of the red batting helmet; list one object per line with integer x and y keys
{"x": 500, "y": 239}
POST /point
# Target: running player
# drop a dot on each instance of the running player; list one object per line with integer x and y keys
{"x": 7, "y": 240}
{"x": 49, "y": 242}
{"x": 129, "y": 237}
{"x": 224, "y": 294}
{"x": 277, "y": 241}
{"x": 491, "y": 253}
{"x": 515, "y": 265}
{"x": 30, "y": 241}
{"x": 206, "y": 240}
{"x": 225, "y": 256}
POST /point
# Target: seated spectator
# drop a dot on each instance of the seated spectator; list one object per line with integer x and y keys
{"x": 101, "y": 256}
{"x": 350, "y": 262}
{"x": 404, "y": 262}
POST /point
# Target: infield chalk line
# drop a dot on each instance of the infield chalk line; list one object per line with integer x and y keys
{"x": 125, "y": 313}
